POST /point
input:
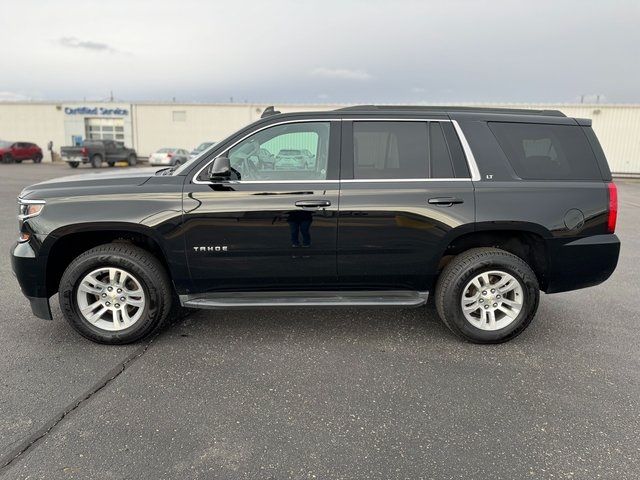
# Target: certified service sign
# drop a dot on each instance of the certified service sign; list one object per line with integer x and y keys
{"x": 103, "y": 111}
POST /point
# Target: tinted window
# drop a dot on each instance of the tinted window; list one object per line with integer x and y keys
{"x": 547, "y": 152}
{"x": 390, "y": 150}
{"x": 441, "y": 166}
{"x": 294, "y": 151}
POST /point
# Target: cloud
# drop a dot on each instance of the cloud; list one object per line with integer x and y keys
{"x": 341, "y": 73}
{"x": 73, "y": 42}
{"x": 12, "y": 97}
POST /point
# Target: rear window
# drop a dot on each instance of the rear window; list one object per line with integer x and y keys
{"x": 547, "y": 152}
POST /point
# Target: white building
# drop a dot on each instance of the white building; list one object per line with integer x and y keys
{"x": 150, "y": 126}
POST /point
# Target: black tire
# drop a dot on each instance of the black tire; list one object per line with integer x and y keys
{"x": 74, "y": 164}
{"x": 7, "y": 158}
{"x": 111, "y": 164}
{"x": 17, "y": 161}
{"x": 461, "y": 270}
{"x": 144, "y": 266}
{"x": 96, "y": 161}
{"x": 37, "y": 159}
{"x": 132, "y": 160}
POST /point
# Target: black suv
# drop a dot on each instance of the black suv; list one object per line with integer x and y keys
{"x": 480, "y": 207}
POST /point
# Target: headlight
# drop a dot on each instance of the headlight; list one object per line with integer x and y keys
{"x": 27, "y": 209}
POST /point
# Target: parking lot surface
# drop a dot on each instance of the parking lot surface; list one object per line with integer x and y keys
{"x": 326, "y": 394}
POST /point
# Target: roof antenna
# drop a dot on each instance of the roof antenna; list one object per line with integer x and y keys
{"x": 269, "y": 111}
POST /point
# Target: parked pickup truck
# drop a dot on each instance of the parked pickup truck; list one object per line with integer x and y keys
{"x": 97, "y": 151}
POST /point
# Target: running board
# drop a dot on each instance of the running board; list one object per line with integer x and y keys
{"x": 231, "y": 300}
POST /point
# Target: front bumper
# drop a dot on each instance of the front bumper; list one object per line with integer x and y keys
{"x": 30, "y": 271}
{"x": 582, "y": 263}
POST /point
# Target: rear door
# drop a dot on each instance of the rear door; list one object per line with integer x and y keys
{"x": 405, "y": 187}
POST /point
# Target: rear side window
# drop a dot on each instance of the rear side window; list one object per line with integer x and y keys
{"x": 406, "y": 150}
{"x": 441, "y": 166}
{"x": 390, "y": 150}
{"x": 547, "y": 152}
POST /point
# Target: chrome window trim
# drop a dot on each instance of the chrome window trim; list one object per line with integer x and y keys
{"x": 471, "y": 161}
{"x": 468, "y": 153}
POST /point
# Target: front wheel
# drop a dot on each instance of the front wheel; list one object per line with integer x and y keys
{"x": 7, "y": 158}
{"x": 37, "y": 158}
{"x": 132, "y": 160}
{"x": 115, "y": 293}
{"x": 487, "y": 295}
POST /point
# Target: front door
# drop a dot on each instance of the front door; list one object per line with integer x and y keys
{"x": 273, "y": 225}
{"x": 405, "y": 187}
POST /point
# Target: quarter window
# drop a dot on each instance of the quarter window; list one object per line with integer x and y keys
{"x": 547, "y": 152}
{"x": 294, "y": 151}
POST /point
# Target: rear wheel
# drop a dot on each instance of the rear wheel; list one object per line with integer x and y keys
{"x": 96, "y": 161}
{"x": 74, "y": 164}
{"x": 115, "y": 293}
{"x": 487, "y": 295}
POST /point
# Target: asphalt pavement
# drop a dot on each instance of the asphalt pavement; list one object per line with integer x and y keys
{"x": 325, "y": 394}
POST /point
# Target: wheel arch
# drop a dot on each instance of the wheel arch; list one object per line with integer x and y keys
{"x": 525, "y": 240}
{"x": 66, "y": 243}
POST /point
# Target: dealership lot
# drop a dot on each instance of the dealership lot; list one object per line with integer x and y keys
{"x": 325, "y": 393}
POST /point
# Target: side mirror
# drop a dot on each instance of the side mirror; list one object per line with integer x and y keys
{"x": 220, "y": 169}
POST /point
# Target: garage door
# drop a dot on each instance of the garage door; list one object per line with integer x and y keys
{"x": 105, "y": 129}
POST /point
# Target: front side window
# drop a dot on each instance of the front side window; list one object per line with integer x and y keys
{"x": 293, "y": 151}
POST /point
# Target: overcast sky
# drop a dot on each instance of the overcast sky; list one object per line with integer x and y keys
{"x": 321, "y": 51}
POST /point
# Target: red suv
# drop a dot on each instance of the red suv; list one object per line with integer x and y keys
{"x": 19, "y": 151}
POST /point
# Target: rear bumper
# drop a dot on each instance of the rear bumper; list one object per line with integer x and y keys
{"x": 582, "y": 263}
{"x": 30, "y": 270}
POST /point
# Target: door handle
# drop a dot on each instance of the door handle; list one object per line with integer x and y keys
{"x": 445, "y": 201}
{"x": 313, "y": 203}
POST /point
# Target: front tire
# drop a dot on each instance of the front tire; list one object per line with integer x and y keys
{"x": 37, "y": 159}
{"x": 132, "y": 160}
{"x": 96, "y": 161}
{"x": 115, "y": 294}
{"x": 487, "y": 295}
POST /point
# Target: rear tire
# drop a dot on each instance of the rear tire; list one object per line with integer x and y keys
{"x": 146, "y": 310}
{"x": 74, "y": 164}
{"x": 7, "y": 158}
{"x": 488, "y": 323}
{"x": 96, "y": 161}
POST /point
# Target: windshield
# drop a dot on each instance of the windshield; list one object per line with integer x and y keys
{"x": 166, "y": 150}
{"x": 202, "y": 147}
{"x": 196, "y": 156}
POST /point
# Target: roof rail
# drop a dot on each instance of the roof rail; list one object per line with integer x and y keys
{"x": 270, "y": 110}
{"x": 444, "y": 108}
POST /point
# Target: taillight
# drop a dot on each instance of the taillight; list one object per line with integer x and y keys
{"x": 84, "y": 151}
{"x": 612, "y": 217}
{"x": 170, "y": 155}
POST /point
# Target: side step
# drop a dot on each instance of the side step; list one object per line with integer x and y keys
{"x": 378, "y": 298}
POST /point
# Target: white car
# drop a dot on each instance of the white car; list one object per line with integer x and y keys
{"x": 169, "y": 156}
